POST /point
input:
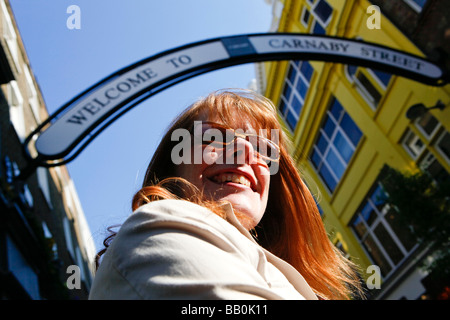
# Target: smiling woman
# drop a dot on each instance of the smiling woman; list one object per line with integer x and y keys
{"x": 229, "y": 229}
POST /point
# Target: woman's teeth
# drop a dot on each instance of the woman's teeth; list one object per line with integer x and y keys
{"x": 232, "y": 177}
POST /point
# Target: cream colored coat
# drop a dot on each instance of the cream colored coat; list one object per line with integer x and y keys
{"x": 174, "y": 249}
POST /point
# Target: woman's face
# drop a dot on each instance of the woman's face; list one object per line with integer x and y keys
{"x": 239, "y": 177}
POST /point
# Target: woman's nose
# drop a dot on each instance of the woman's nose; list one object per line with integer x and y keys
{"x": 240, "y": 152}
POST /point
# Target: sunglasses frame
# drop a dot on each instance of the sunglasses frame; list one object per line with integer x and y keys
{"x": 214, "y": 125}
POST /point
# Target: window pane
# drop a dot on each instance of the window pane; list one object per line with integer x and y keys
{"x": 21, "y": 269}
{"x": 375, "y": 96}
{"x": 329, "y": 127}
{"x": 302, "y": 88}
{"x": 322, "y": 143}
{"x": 307, "y": 70}
{"x": 296, "y": 104}
{"x": 306, "y": 15}
{"x": 431, "y": 165}
{"x": 335, "y": 164}
{"x": 282, "y": 106}
{"x": 287, "y": 91}
{"x": 323, "y": 11}
{"x": 297, "y": 63}
{"x": 328, "y": 178}
{"x": 428, "y": 123}
{"x": 291, "y": 119}
{"x": 379, "y": 198}
{"x": 359, "y": 226}
{"x": 420, "y": 3}
{"x": 369, "y": 214}
{"x": 316, "y": 159}
{"x": 318, "y": 29}
{"x": 444, "y": 144}
{"x": 343, "y": 147}
{"x": 350, "y": 128}
{"x": 383, "y": 76}
{"x": 336, "y": 110}
{"x": 351, "y": 69}
{"x": 402, "y": 231}
{"x": 388, "y": 244}
{"x": 377, "y": 256}
{"x": 292, "y": 74}
{"x": 413, "y": 143}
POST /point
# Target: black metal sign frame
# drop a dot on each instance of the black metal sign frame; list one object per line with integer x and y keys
{"x": 72, "y": 127}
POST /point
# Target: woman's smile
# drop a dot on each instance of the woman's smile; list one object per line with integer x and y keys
{"x": 241, "y": 178}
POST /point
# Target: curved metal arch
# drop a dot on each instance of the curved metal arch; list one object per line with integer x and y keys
{"x": 72, "y": 127}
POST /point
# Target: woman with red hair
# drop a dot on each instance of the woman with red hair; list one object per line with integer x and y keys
{"x": 223, "y": 214}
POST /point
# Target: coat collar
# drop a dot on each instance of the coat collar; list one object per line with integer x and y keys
{"x": 231, "y": 218}
{"x": 290, "y": 272}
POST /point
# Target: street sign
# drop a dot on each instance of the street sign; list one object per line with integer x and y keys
{"x": 76, "y": 123}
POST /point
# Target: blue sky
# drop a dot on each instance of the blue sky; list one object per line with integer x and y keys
{"x": 115, "y": 34}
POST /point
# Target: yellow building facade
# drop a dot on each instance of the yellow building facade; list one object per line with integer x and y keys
{"x": 347, "y": 123}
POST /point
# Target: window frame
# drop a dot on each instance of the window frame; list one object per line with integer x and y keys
{"x": 414, "y": 152}
{"x": 330, "y": 140}
{"x": 376, "y": 83}
{"x": 298, "y": 76}
{"x": 437, "y": 147}
{"x": 16, "y": 109}
{"x": 431, "y": 135}
{"x": 10, "y": 36}
{"x": 302, "y": 16}
{"x": 370, "y": 231}
{"x": 415, "y": 6}
{"x": 324, "y": 24}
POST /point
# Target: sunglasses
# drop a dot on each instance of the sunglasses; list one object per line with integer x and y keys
{"x": 220, "y": 136}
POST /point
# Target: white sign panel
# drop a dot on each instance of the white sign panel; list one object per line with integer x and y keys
{"x": 88, "y": 110}
{"x": 344, "y": 48}
{"x": 83, "y": 115}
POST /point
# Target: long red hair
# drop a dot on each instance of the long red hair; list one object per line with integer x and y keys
{"x": 291, "y": 227}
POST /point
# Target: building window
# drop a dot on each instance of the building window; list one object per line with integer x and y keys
{"x": 10, "y": 36}
{"x": 443, "y": 145}
{"x": 295, "y": 91}
{"x": 413, "y": 144}
{"x": 376, "y": 225}
{"x": 80, "y": 263}
{"x": 42, "y": 176}
{"x": 335, "y": 145}
{"x": 371, "y": 84}
{"x": 369, "y": 90}
{"x": 318, "y": 29}
{"x": 21, "y": 269}
{"x": 26, "y": 197}
{"x": 16, "y": 114}
{"x": 32, "y": 94}
{"x": 320, "y": 13}
{"x": 68, "y": 235}
{"x": 428, "y": 125}
{"x": 305, "y": 17}
{"x": 50, "y": 240}
{"x": 434, "y": 168}
{"x": 417, "y": 5}
{"x": 323, "y": 11}
{"x": 427, "y": 133}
